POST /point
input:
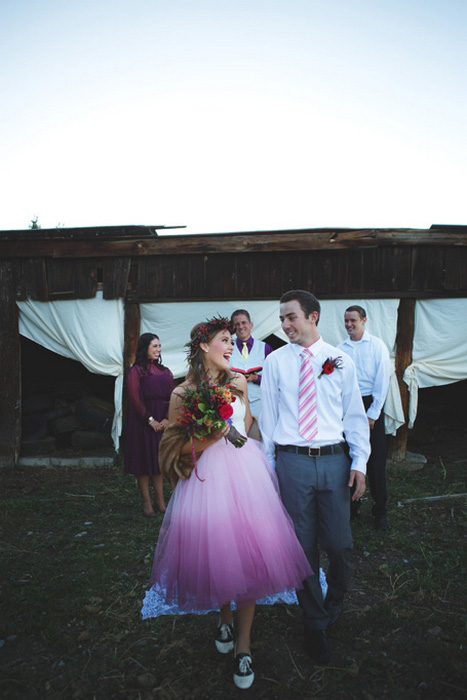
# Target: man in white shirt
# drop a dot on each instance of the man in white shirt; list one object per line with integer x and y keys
{"x": 306, "y": 416}
{"x": 371, "y": 358}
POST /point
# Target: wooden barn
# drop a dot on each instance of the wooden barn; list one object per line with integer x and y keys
{"x": 132, "y": 272}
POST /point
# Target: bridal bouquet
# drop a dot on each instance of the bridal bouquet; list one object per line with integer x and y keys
{"x": 206, "y": 409}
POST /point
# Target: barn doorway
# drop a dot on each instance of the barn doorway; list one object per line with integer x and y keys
{"x": 441, "y": 424}
{"x": 66, "y": 410}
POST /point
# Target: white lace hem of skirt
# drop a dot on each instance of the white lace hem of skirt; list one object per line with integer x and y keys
{"x": 154, "y": 604}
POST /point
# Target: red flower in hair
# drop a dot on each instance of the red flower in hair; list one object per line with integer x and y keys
{"x": 203, "y": 333}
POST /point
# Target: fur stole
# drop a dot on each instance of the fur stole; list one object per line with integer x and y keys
{"x": 174, "y": 466}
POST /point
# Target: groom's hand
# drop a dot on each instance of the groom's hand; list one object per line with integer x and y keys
{"x": 357, "y": 479}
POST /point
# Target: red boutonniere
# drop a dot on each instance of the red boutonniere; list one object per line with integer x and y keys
{"x": 330, "y": 365}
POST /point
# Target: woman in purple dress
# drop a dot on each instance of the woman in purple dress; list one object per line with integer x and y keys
{"x": 149, "y": 386}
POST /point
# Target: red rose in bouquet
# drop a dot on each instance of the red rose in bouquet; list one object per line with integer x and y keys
{"x": 225, "y": 411}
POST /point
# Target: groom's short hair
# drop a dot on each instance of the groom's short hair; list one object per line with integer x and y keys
{"x": 307, "y": 301}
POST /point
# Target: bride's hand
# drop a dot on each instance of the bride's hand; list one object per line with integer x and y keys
{"x": 221, "y": 433}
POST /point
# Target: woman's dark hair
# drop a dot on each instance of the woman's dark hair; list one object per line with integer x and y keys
{"x": 142, "y": 351}
{"x": 204, "y": 333}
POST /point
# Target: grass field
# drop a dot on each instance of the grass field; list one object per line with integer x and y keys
{"x": 76, "y": 558}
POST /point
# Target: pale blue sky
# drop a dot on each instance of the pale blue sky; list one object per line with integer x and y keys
{"x": 233, "y": 115}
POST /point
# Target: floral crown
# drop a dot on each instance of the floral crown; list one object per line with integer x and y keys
{"x": 205, "y": 332}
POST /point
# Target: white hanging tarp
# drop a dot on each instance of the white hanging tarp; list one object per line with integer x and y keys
{"x": 172, "y": 322}
{"x": 91, "y": 332}
{"x": 87, "y": 330}
{"x": 439, "y": 347}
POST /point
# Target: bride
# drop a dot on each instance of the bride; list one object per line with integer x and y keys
{"x": 226, "y": 536}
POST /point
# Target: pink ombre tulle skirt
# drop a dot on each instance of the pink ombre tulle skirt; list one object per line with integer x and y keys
{"x": 226, "y": 535}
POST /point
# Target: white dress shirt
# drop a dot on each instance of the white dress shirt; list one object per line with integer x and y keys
{"x": 339, "y": 405}
{"x": 371, "y": 358}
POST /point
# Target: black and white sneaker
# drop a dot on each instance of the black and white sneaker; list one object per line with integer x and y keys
{"x": 243, "y": 672}
{"x": 224, "y": 638}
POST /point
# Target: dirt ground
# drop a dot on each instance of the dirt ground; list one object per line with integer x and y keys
{"x": 71, "y": 627}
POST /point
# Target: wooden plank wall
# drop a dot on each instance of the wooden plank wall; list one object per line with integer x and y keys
{"x": 380, "y": 272}
{"x": 54, "y": 279}
{"x": 368, "y": 263}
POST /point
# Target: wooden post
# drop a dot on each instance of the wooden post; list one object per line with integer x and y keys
{"x": 130, "y": 342}
{"x": 10, "y": 359}
{"x": 131, "y": 334}
{"x": 404, "y": 346}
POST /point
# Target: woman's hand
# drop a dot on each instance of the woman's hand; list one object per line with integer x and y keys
{"x": 164, "y": 423}
{"x": 217, "y": 435}
{"x": 225, "y": 430}
{"x": 156, "y": 426}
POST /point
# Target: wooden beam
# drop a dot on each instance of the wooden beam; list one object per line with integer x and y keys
{"x": 435, "y": 498}
{"x": 131, "y": 334}
{"x": 249, "y": 242}
{"x": 10, "y": 359}
{"x": 85, "y": 232}
{"x": 404, "y": 347}
{"x": 130, "y": 343}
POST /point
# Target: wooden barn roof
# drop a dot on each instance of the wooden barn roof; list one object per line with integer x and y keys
{"x": 152, "y": 240}
{"x": 152, "y": 263}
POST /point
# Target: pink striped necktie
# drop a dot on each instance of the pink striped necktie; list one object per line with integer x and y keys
{"x": 307, "y": 417}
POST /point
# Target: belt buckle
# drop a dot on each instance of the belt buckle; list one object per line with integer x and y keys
{"x": 314, "y": 452}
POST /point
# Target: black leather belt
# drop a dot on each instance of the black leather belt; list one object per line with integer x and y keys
{"x": 312, "y": 451}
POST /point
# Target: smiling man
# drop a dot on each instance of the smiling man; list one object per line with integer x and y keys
{"x": 248, "y": 357}
{"x": 311, "y": 404}
{"x": 371, "y": 358}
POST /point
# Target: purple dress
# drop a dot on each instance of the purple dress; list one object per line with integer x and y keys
{"x": 149, "y": 393}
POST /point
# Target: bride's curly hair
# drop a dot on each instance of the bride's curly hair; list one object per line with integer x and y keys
{"x": 204, "y": 333}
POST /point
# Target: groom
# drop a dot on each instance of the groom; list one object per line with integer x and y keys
{"x": 310, "y": 404}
